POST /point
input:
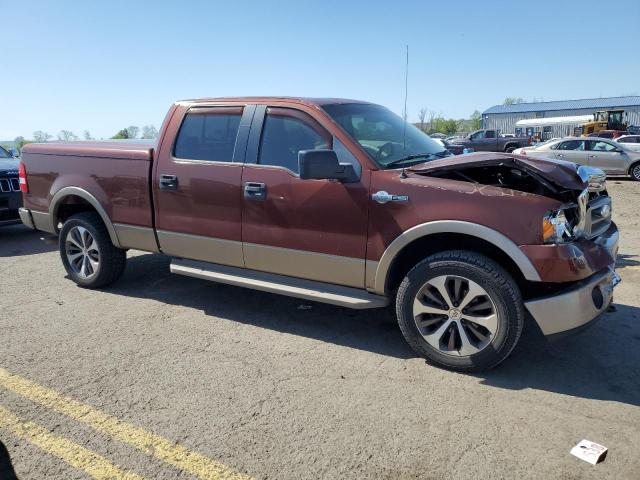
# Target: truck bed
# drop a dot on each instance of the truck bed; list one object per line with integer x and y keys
{"x": 116, "y": 173}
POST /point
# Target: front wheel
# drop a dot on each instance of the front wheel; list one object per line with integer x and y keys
{"x": 460, "y": 310}
{"x": 88, "y": 255}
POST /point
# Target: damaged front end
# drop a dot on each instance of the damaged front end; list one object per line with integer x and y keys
{"x": 585, "y": 210}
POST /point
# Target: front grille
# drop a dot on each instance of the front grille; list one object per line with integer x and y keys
{"x": 598, "y": 216}
{"x": 9, "y": 184}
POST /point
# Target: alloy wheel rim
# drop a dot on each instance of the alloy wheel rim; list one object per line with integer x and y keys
{"x": 82, "y": 252}
{"x": 455, "y": 315}
{"x": 636, "y": 172}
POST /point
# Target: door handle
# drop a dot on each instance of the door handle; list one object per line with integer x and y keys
{"x": 592, "y": 156}
{"x": 255, "y": 190}
{"x": 168, "y": 182}
{"x": 384, "y": 197}
{"x": 560, "y": 155}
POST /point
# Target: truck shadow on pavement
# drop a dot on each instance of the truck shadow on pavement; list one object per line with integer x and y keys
{"x": 602, "y": 363}
{"x": 6, "y": 468}
{"x": 147, "y": 276}
{"x": 18, "y": 240}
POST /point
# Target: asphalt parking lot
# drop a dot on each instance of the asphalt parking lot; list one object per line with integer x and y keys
{"x": 162, "y": 376}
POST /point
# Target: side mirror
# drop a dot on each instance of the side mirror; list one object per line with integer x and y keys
{"x": 324, "y": 165}
{"x": 14, "y": 152}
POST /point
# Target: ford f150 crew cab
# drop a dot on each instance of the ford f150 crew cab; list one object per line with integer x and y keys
{"x": 492, "y": 141}
{"x": 339, "y": 201}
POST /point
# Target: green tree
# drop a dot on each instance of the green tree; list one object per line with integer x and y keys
{"x": 122, "y": 134}
{"x": 476, "y": 120}
{"x": 513, "y": 100}
{"x": 20, "y": 142}
{"x": 149, "y": 131}
{"x": 87, "y": 135}
{"x": 132, "y": 131}
{"x": 67, "y": 136}
{"x": 40, "y": 137}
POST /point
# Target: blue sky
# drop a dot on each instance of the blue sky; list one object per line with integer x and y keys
{"x": 102, "y": 66}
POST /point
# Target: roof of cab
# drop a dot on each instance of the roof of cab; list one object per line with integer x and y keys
{"x": 267, "y": 99}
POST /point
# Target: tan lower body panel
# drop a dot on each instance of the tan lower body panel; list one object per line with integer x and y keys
{"x": 42, "y": 221}
{"x": 293, "y": 287}
{"x": 196, "y": 247}
{"x": 304, "y": 264}
{"x": 133, "y": 236}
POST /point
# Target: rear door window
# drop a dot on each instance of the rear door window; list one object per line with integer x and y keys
{"x": 601, "y": 146}
{"x": 208, "y": 134}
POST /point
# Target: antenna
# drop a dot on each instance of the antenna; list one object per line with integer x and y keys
{"x": 403, "y": 174}
{"x": 406, "y": 90}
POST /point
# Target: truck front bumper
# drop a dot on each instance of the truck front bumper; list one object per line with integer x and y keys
{"x": 575, "y": 307}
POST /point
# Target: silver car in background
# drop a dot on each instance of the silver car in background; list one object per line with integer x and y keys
{"x": 612, "y": 157}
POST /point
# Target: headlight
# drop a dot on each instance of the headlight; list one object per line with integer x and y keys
{"x": 556, "y": 227}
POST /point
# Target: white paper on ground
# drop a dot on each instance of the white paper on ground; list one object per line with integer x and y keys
{"x": 589, "y": 452}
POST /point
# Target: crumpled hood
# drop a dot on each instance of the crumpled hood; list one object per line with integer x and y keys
{"x": 563, "y": 174}
{"x": 10, "y": 164}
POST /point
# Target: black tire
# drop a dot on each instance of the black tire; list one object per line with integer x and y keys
{"x": 111, "y": 260}
{"x": 493, "y": 279}
{"x": 634, "y": 171}
{"x": 510, "y": 149}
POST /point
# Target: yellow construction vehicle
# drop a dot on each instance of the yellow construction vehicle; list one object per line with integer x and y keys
{"x": 602, "y": 120}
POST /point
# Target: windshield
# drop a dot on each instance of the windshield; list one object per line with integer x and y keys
{"x": 385, "y": 136}
{"x": 4, "y": 153}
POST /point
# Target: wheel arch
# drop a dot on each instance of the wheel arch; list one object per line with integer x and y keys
{"x": 69, "y": 200}
{"x": 510, "y": 145}
{"x": 432, "y": 237}
{"x": 632, "y": 166}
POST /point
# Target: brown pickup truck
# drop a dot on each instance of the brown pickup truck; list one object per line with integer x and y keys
{"x": 339, "y": 201}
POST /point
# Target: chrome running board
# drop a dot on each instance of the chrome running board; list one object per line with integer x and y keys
{"x": 281, "y": 284}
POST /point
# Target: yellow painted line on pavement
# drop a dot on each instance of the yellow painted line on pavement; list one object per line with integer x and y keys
{"x": 72, "y": 453}
{"x": 137, "y": 437}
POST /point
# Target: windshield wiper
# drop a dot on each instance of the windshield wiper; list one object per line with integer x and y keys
{"x": 442, "y": 154}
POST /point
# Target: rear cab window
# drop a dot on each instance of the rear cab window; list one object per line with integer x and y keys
{"x": 208, "y": 134}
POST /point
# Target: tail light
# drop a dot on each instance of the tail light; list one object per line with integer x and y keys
{"x": 22, "y": 175}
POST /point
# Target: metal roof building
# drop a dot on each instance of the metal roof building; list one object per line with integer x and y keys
{"x": 504, "y": 117}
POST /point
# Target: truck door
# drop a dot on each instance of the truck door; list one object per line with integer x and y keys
{"x": 606, "y": 156}
{"x": 312, "y": 229}
{"x": 197, "y": 183}
{"x": 484, "y": 141}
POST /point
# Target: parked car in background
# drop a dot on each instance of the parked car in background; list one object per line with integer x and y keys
{"x": 10, "y": 196}
{"x": 608, "y": 133}
{"x": 612, "y": 157}
{"x": 491, "y": 141}
{"x": 456, "y": 149}
{"x": 342, "y": 202}
{"x": 438, "y": 135}
{"x": 632, "y": 142}
{"x": 628, "y": 139}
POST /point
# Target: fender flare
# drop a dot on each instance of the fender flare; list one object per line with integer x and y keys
{"x": 452, "y": 226}
{"x": 93, "y": 201}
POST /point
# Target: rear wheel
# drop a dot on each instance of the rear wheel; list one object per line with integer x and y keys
{"x": 88, "y": 255}
{"x": 634, "y": 171}
{"x": 510, "y": 149}
{"x": 460, "y": 310}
